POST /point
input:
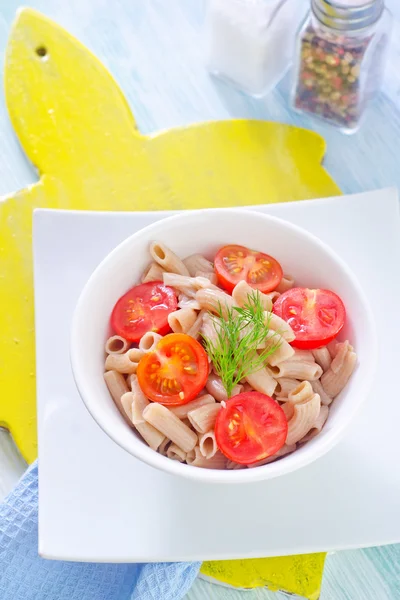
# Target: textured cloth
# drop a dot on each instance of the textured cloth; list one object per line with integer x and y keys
{"x": 26, "y": 576}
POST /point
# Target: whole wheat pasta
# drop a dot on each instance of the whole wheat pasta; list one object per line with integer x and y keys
{"x": 194, "y": 331}
{"x": 210, "y": 328}
{"x": 126, "y": 401}
{"x": 242, "y": 291}
{"x": 163, "y": 447}
{"x": 283, "y": 351}
{"x": 170, "y": 425}
{"x": 233, "y": 466}
{"x": 318, "y": 389}
{"x": 182, "y": 320}
{"x": 149, "y": 341}
{"x": 286, "y": 283}
{"x": 215, "y": 301}
{"x": 332, "y": 348}
{"x": 306, "y": 355}
{"x": 218, "y": 461}
{"x": 151, "y": 435}
{"x": 318, "y": 425}
{"x": 182, "y": 411}
{"x": 116, "y": 345}
{"x": 187, "y": 302}
{"x": 323, "y": 357}
{"x": 169, "y": 261}
{"x": 211, "y": 276}
{"x": 261, "y": 381}
{"x": 277, "y": 324}
{"x": 176, "y": 453}
{"x": 154, "y": 272}
{"x": 273, "y": 296}
{"x": 188, "y": 285}
{"x": 208, "y": 444}
{"x": 304, "y": 418}
{"x": 340, "y": 354}
{"x": 301, "y": 393}
{"x": 284, "y": 385}
{"x": 297, "y": 369}
{"x": 286, "y": 449}
{"x": 197, "y": 262}
{"x": 288, "y": 408}
{"x": 203, "y": 418}
{"x": 332, "y": 382}
{"x": 117, "y": 387}
{"x": 215, "y": 387}
{"x": 124, "y": 363}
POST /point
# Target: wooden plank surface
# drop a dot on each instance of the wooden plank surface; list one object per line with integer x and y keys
{"x": 141, "y": 42}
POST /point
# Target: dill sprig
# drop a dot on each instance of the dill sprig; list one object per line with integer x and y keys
{"x": 233, "y": 348}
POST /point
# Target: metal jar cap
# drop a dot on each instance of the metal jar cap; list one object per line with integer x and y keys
{"x": 346, "y": 15}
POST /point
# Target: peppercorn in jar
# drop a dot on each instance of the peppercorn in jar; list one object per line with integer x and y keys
{"x": 340, "y": 59}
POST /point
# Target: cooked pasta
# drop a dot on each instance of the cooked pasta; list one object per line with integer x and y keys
{"x": 116, "y": 345}
{"x": 243, "y": 290}
{"x": 124, "y": 363}
{"x": 197, "y": 262}
{"x": 286, "y": 283}
{"x": 305, "y": 415}
{"x": 149, "y": 341}
{"x": 183, "y": 410}
{"x": 333, "y": 383}
{"x": 323, "y": 357}
{"x": 182, "y": 320}
{"x": 297, "y": 369}
{"x": 170, "y": 425}
{"x": 169, "y": 261}
{"x": 154, "y": 272}
{"x": 203, "y": 418}
{"x": 232, "y": 353}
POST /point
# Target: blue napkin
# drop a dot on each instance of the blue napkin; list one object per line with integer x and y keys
{"x": 26, "y": 576}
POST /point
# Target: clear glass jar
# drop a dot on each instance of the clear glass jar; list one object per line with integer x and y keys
{"x": 250, "y": 43}
{"x": 340, "y": 59}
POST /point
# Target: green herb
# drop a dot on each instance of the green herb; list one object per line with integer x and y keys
{"x": 234, "y": 350}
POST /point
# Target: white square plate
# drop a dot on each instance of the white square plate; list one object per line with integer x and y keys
{"x": 98, "y": 503}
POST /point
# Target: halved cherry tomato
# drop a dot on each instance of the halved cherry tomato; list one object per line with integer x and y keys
{"x": 251, "y": 427}
{"x": 143, "y": 308}
{"x": 234, "y": 263}
{"x": 175, "y": 372}
{"x": 316, "y": 316}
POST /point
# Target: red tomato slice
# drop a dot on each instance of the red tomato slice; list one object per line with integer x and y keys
{"x": 234, "y": 263}
{"x": 175, "y": 372}
{"x": 143, "y": 308}
{"x": 251, "y": 427}
{"x": 316, "y": 316}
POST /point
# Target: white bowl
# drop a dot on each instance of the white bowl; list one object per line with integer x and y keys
{"x": 308, "y": 259}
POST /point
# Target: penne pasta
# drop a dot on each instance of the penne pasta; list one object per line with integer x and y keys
{"x": 318, "y": 425}
{"x": 150, "y": 434}
{"x": 288, "y": 409}
{"x": 333, "y": 383}
{"x": 296, "y": 369}
{"x": 207, "y": 444}
{"x": 197, "y": 262}
{"x": 304, "y": 417}
{"x": 233, "y": 466}
{"x": 124, "y": 363}
{"x": 277, "y": 324}
{"x": 261, "y": 381}
{"x": 306, "y": 355}
{"x": 194, "y": 331}
{"x": 286, "y": 449}
{"x": 283, "y": 350}
{"x": 301, "y": 393}
{"x": 203, "y": 418}
{"x": 154, "y": 272}
{"x": 117, "y": 387}
{"x": 188, "y": 285}
{"x": 126, "y": 401}
{"x": 211, "y": 276}
{"x": 286, "y": 283}
{"x": 318, "y": 389}
{"x": 149, "y": 341}
{"x": 163, "y": 447}
{"x": 182, "y": 320}
{"x": 215, "y": 387}
{"x": 340, "y": 354}
{"x": 323, "y": 357}
{"x": 216, "y": 301}
{"x": 210, "y": 328}
{"x": 187, "y": 302}
{"x": 170, "y": 425}
{"x": 284, "y": 385}
{"x": 182, "y": 411}
{"x": 169, "y": 261}
{"x": 116, "y": 345}
{"x": 196, "y": 459}
{"x": 243, "y": 290}
{"x": 176, "y": 453}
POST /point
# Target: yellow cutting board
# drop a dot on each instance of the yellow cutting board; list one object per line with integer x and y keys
{"x": 76, "y": 127}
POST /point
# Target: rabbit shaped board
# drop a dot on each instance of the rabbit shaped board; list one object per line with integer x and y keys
{"x": 90, "y": 155}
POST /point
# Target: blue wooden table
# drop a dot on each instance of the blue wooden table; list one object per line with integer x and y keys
{"x": 154, "y": 48}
